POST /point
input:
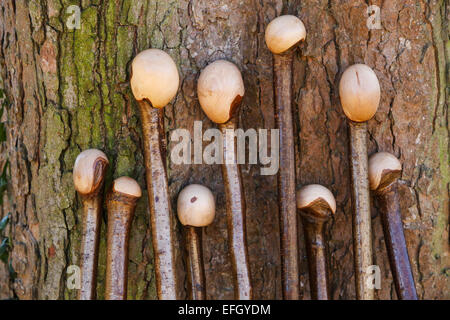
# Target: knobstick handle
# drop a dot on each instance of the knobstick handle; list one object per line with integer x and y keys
{"x": 282, "y": 65}
{"x": 92, "y": 206}
{"x": 395, "y": 243}
{"x": 158, "y": 197}
{"x": 236, "y": 218}
{"x": 361, "y": 219}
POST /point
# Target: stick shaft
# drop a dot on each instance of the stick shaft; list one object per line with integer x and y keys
{"x": 361, "y": 219}
{"x": 286, "y": 176}
{"x": 317, "y": 259}
{"x": 120, "y": 216}
{"x": 236, "y": 217}
{"x": 195, "y": 263}
{"x": 158, "y": 197}
{"x": 92, "y": 207}
{"x": 396, "y": 244}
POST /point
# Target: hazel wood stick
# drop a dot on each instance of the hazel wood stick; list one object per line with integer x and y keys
{"x": 196, "y": 272}
{"x": 359, "y": 92}
{"x": 121, "y": 203}
{"x": 160, "y": 209}
{"x": 316, "y": 205}
{"x": 282, "y": 36}
{"x": 196, "y": 210}
{"x": 236, "y": 221}
{"x": 92, "y": 208}
{"x": 220, "y": 91}
{"x": 361, "y": 219}
{"x": 88, "y": 176}
{"x": 384, "y": 171}
{"x": 154, "y": 83}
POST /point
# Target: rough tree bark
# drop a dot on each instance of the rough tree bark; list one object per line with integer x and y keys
{"x": 68, "y": 90}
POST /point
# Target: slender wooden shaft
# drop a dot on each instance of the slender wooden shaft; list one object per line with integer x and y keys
{"x": 282, "y": 65}
{"x": 92, "y": 206}
{"x": 362, "y": 230}
{"x": 395, "y": 243}
{"x": 317, "y": 257}
{"x": 158, "y": 197}
{"x": 120, "y": 215}
{"x": 195, "y": 263}
{"x": 236, "y": 217}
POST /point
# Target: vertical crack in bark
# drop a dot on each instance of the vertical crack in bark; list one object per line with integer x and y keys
{"x": 437, "y": 44}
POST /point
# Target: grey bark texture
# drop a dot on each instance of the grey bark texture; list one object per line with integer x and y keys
{"x": 67, "y": 90}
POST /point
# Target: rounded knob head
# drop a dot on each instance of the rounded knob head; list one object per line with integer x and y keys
{"x": 359, "y": 91}
{"x": 220, "y": 89}
{"x": 196, "y": 206}
{"x": 127, "y": 186}
{"x": 384, "y": 168}
{"x": 154, "y": 77}
{"x": 89, "y": 171}
{"x": 283, "y": 33}
{"x": 317, "y": 200}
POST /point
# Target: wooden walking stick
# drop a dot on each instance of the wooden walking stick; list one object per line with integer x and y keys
{"x": 282, "y": 36}
{"x": 359, "y": 92}
{"x": 220, "y": 90}
{"x": 88, "y": 177}
{"x": 384, "y": 171}
{"x": 316, "y": 205}
{"x": 154, "y": 82}
{"x": 121, "y": 202}
{"x": 196, "y": 209}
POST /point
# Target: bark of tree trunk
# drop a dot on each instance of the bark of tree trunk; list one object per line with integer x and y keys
{"x": 68, "y": 90}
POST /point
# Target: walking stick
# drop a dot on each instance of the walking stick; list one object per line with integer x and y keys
{"x": 316, "y": 205}
{"x": 220, "y": 90}
{"x": 384, "y": 171}
{"x": 88, "y": 177}
{"x": 282, "y": 36}
{"x": 196, "y": 210}
{"x": 359, "y": 92}
{"x": 154, "y": 82}
{"x": 121, "y": 202}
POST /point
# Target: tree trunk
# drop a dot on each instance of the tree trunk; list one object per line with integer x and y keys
{"x": 68, "y": 90}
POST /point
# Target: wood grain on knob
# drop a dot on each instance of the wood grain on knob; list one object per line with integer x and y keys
{"x": 316, "y": 198}
{"x": 220, "y": 90}
{"x": 128, "y": 186}
{"x": 154, "y": 77}
{"x": 88, "y": 171}
{"x": 196, "y": 206}
{"x": 283, "y": 33}
{"x": 359, "y": 91}
{"x": 384, "y": 168}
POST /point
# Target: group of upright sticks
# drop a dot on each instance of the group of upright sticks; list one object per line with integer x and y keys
{"x": 88, "y": 175}
{"x": 359, "y": 92}
{"x": 154, "y": 82}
